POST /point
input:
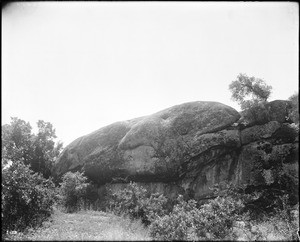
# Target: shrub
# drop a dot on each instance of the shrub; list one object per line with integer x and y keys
{"x": 128, "y": 200}
{"x": 73, "y": 190}
{"x": 135, "y": 202}
{"x": 286, "y": 219}
{"x": 27, "y": 197}
{"x": 216, "y": 219}
{"x": 177, "y": 225}
{"x": 154, "y": 207}
{"x": 213, "y": 220}
{"x": 281, "y": 225}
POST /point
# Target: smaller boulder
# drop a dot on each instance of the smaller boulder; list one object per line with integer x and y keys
{"x": 257, "y": 132}
{"x": 263, "y": 113}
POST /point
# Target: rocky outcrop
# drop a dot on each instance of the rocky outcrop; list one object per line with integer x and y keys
{"x": 257, "y": 161}
{"x": 259, "y": 132}
{"x": 187, "y": 148}
{"x": 151, "y": 148}
{"x": 262, "y": 113}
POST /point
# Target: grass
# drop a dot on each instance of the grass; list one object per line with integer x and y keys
{"x": 101, "y": 226}
{"x": 85, "y": 225}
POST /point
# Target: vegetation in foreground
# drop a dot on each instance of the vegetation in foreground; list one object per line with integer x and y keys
{"x": 227, "y": 217}
{"x": 30, "y": 198}
{"x": 133, "y": 216}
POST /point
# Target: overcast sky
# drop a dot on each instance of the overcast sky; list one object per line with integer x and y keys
{"x": 84, "y": 65}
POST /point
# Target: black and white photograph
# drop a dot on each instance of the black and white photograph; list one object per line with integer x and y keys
{"x": 150, "y": 120}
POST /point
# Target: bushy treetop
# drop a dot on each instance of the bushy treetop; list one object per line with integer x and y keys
{"x": 37, "y": 150}
{"x": 249, "y": 90}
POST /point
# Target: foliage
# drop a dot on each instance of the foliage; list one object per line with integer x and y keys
{"x": 128, "y": 200}
{"x": 16, "y": 140}
{"x": 73, "y": 189}
{"x": 177, "y": 225}
{"x": 244, "y": 87}
{"x": 154, "y": 207}
{"x": 134, "y": 201}
{"x": 213, "y": 220}
{"x": 286, "y": 219}
{"x": 280, "y": 180}
{"x": 268, "y": 212}
{"x": 280, "y": 225}
{"x": 294, "y": 114}
{"x": 226, "y": 218}
{"x": 37, "y": 150}
{"x": 255, "y": 112}
{"x": 44, "y": 149}
{"x": 27, "y": 197}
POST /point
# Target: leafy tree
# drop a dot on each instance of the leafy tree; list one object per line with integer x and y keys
{"x": 16, "y": 140}
{"x": 249, "y": 87}
{"x": 37, "y": 150}
{"x": 44, "y": 149}
{"x": 295, "y": 108}
{"x": 27, "y": 197}
{"x": 73, "y": 190}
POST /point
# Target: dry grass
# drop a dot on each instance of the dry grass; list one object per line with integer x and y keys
{"x": 85, "y": 225}
{"x": 101, "y": 226}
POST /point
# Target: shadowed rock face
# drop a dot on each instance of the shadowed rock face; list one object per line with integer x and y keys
{"x": 187, "y": 147}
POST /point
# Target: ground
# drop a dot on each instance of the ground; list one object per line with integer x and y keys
{"x": 102, "y": 226}
{"x": 85, "y": 225}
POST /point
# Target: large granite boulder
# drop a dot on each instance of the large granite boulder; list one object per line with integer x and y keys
{"x": 188, "y": 149}
{"x": 151, "y": 148}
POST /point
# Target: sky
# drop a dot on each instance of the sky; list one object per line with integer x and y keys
{"x": 85, "y": 65}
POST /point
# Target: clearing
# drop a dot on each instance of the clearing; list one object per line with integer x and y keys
{"x": 85, "y": 225}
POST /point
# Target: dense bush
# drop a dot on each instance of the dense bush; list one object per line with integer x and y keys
{"x": 286, "y": 219}
{"x": 154, "y": 207}
{"x": 135, "y": 202}
{"x": 213, "y": 220}
{"x": 73, "y": 191}
{"x": 177, "y": 225}
{"x": 27, "y": 197}
{"x": 128, "y": 200}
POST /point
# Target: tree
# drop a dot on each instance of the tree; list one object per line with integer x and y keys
{"x": 44, "y": 150}
{"x": 16, "y": 140}
{"x": 244, "y": 87}
{"x": 37, "y": 150}
{"x": 73, "y": 190}
{"x": 295, "y": 108}
{"x": 27, "y": 197}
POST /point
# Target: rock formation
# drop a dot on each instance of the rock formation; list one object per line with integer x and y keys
{"x": 187, "y": 149}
